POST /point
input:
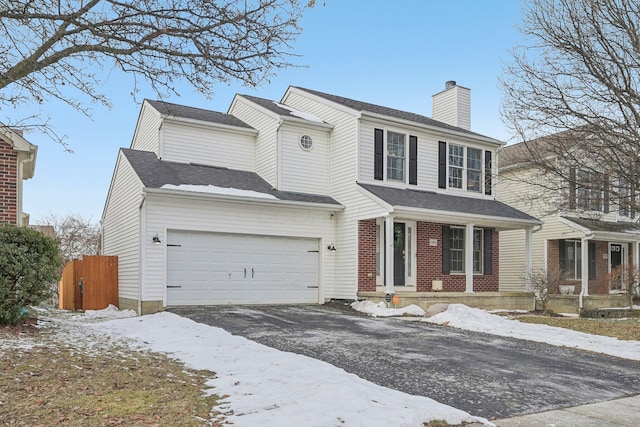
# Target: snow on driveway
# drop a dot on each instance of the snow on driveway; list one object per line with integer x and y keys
{"x": 474, "y": 319}
{"x": 268, "y": 387}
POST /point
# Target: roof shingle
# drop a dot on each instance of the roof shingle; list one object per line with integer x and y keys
{"x": 154, "y": 173}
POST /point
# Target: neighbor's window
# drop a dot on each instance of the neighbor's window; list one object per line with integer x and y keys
{"x": 456, "y": 165}
{"x": 395, "y": 156}
{"x": 572, "y": 267}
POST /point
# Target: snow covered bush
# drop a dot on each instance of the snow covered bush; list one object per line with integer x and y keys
{"x": 29, "y": 262}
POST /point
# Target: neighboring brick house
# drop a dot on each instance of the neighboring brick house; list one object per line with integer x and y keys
{"x": 17, "y": 163}
{"x": 312, "y": 198}
{"x": 586, "y": 233}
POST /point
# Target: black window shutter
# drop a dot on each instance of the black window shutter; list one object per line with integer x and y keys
{"x": 442, "y": 164}
{"x": 487, "y": 173}
{"x": 413, "y": 160}
{"x": 488, "y": 251}
{"x": 605, "y": 196}
{"x": 563, "y": 256}
{"x": 572, "y": 188}
{"x": 446, "y": 249}
{"x": 592, "y": 260}
{"x": 378, "y": 171}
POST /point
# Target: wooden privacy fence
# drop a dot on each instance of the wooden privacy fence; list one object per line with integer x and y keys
{"x": 89, "y": 284}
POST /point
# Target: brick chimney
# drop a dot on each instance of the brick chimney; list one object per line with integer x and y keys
{"x": 453, "y": 105}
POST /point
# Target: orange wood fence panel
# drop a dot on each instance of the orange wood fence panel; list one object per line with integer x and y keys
{"x": 99, "y": 277}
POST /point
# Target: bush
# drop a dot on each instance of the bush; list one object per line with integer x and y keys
{"x": 29, "y": 263}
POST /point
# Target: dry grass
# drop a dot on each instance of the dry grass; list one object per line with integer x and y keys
{"x": 47, "y": 380}
{"x": 621, "y": 329}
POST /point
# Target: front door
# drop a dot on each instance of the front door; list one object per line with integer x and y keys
{"x": 615, "y": 258}
{"x": 399, "y": 232}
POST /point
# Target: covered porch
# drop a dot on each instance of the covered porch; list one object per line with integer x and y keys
{"x": 587, "y": 263}
{"x": 436, "y": 245}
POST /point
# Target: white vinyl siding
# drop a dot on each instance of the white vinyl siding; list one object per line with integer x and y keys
{"x": 342, "y": 185}
{"x": 121, "y": 226}
{"x": 208, "y": 145}
{"x": 266, "y": 161}
{"x": 146, "y": 134}
{"x": 304, "y": 170}
{"x": 165, "y": 213}
{"x": 514, "y": 191}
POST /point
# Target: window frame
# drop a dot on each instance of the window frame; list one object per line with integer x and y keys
{"x": 389, "y": 155}
{"x": 576, "y": 261}
{"x": 460, "y": 168}
{"x": 462, "y": 251}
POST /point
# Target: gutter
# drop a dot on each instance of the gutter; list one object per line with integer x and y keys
{"x": 244, "y": 200}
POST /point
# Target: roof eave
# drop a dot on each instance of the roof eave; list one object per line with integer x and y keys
{"x": 462, "y": 134}
{"x": 467, "y": 218}
{"x": 178, "y": 119}
{"x": 240, "y": 199}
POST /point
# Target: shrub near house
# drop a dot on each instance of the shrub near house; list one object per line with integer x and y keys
{"x": 29, "y": 262}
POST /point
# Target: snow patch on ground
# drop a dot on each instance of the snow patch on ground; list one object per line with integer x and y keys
{"x": 380, "y": 309}
{"x": 474, "y": 319}
{"x": 110, "y": 312}
{"x": 268, "y": 387}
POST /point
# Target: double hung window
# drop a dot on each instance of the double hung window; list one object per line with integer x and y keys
{"x": 395, "y": 156}
{"x": 457, "y": 250}
{"x": 464, "y": 168}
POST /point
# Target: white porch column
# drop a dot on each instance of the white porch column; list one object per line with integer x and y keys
{"x": 468, "y": 257}
{"x": 528, "y": 258}
{"x": 388, "y": 254}
{"x": 584, "y": 250}
{"x": 636, "y": 255}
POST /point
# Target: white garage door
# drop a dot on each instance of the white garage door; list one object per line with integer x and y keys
{"x": 214, "y": 268}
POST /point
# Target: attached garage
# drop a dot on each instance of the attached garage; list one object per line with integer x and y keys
{"x": 206, "y": 268}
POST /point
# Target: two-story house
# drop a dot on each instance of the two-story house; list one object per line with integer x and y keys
{"x": 17, "y": 163}
{"x": 312, "y": 198}
{"x": 586, "y": 234}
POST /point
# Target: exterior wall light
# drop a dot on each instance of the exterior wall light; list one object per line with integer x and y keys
{"x": 331, "y": 247}
{"x": 156, "y": 240}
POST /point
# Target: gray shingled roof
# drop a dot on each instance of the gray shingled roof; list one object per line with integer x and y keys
{"x": 606, "y": 226}
{"x": 445, "y": 203}
{"x": 183, "y": 111}
{"x": 154, "y": 173}
{"x": 391, "y": 112}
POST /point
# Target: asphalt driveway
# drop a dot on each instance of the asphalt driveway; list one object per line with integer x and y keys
{"x": 485, "y": 375}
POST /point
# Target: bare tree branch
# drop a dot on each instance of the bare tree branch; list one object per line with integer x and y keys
{"x": 64, "y": 50}
{"x": 572, "y": 95}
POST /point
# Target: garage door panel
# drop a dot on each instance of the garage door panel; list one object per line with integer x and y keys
{"x": 211, "y": 268}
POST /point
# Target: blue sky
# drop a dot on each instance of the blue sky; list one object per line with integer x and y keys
{"x": 396, "y": 54}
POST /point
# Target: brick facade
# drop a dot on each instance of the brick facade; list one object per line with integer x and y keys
{"x": 429, "y": 261}
{"x": 8, "y": 184}
{"x": 597, "y": 286}
{"x": 367, "y": 255}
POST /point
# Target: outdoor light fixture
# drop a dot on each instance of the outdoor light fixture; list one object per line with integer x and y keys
{"x": 331, "y": 247}
{"x": 156, "y": 240}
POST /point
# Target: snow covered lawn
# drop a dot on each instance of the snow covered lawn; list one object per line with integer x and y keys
{"x": 267, "y": 387}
